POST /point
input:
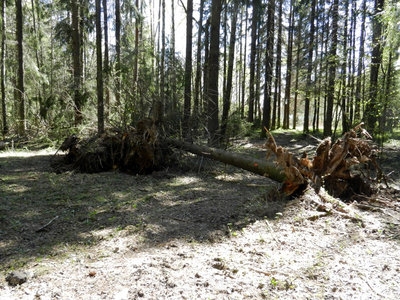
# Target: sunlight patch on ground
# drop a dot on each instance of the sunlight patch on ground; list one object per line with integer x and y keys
{"x": 5, "y": 244}
{"x": 233, "y": 177}
{"x": 164, "y": 195}
{"x": 248, "y": 146}
{"x": 16, "y": 188}
{"x": 121, "y": 195}
{"x": 393, "y": 143}
{"x": 185, "y": 180}
{"x": 24, "y": 153}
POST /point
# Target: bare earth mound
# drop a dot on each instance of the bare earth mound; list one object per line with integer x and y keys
{"x": 212, "y": 232}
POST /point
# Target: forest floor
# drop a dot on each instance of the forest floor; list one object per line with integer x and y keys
{"x": 209, "y": 232}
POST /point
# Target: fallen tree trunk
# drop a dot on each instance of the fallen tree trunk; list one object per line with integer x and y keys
{"x": 257, "y": 166}
{"x": 340, "y": 167}
{"x": 345, "y": 167}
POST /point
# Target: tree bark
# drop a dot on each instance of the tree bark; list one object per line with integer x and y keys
{"x": 206, "y": 66}
{"x": 269, "y": 60}
{"x": 106, "y": 64}
{"x": 20, "y": 74}
{"x": 258, "y": 166}
{"x": 99, "y": 78}
{"x": 298, "y": 64}
{"x": 253, "y": 52}
{"x": 213, "y": 74}
{"x": 372, "y": 106}
{"x": 197, "y": 84}
{"x": 3, "y": 69}
{"x": 172, "y": 98}
{"x": 309, "y": 69}
{"x": 276, "y": 107}
{"x": 243, "y": 59}
{"x": 345, "y": 90}
{"x": 158, "y": 110}
{"x": 188, "y": 71}
{"x": 288, "y": 77}
{"x": 360, "y": 65}
{"x": 76, "y": 58}
{"x": 117, "y": 53}
{"x": 228, "y": 87}
{"x": 332, "y": 64}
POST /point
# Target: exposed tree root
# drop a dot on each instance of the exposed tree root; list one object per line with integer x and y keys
{"x": 330, "y": 205}
{"x": 134, "y": 150}
{"x": 344, "y": 168}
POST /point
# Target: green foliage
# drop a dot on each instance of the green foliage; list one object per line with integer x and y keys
{"x": 236, "y": 125}
{"x": 49, "y": 83}
{"x": 387, "y": 136}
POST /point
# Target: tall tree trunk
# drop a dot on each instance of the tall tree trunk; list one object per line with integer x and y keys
{"x": 288, "y": 77}
{"x": 345, "y": 63}
{"x": 206, "y": 68}
{"x": 229, "y": 78}
{"x": 332, "y": 64}
{"x": 213, "y": 71}
{"x": 371, "y": 109}
{"x": 3, "y": 69}
{"x": 253, "y": 56}
{"x": 320, "y": 53}
{"x": 197, "y": 83}
{"x": 224, "y": 48}
{"x": 317, "y": 66}
{"x": 244, "y": 63}
{"x": 360, "y": 65}
{"x": 135, "y": 92}
{"x": 309, "y": 68}
{"x": 117, "y": 53}
{"x": 297, "y": 79}
{"x": 387, "y": 112}
{"x": 99, "y": 78}
{"x": 266, "y": 118}
{"x": 173, "y": 106}
{"x": 326, "y": 66}
{"x": 20, "y": 73}
{"x": 352, "y": 60}
{"x": 106, "y": 64}
{"x": 188, "y": 70}
{"x": 76, "y": 58}
{"x": 257, "y": 90}
{"x": 276, "y": 110}
{"x": 158, "y": 112}
{"x": 38, "y": 45}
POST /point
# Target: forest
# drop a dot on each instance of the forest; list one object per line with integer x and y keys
{"x": 205, "y": 69}
{"x": 208, "y": 149}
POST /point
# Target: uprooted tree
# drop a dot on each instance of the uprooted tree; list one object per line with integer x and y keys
{"x": 345, "y": 167}
{"x": 134, "y": 150}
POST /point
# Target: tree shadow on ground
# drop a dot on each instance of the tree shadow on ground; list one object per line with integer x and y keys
{"x": 46, "y": 214}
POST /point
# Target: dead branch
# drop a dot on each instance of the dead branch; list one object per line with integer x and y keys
{"x": 44, "y": 227}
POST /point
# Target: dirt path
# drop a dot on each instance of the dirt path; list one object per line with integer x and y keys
{"x": 216, "y": 234}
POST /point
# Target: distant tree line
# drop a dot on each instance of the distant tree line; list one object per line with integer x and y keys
{"x": 316, "y": 65}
